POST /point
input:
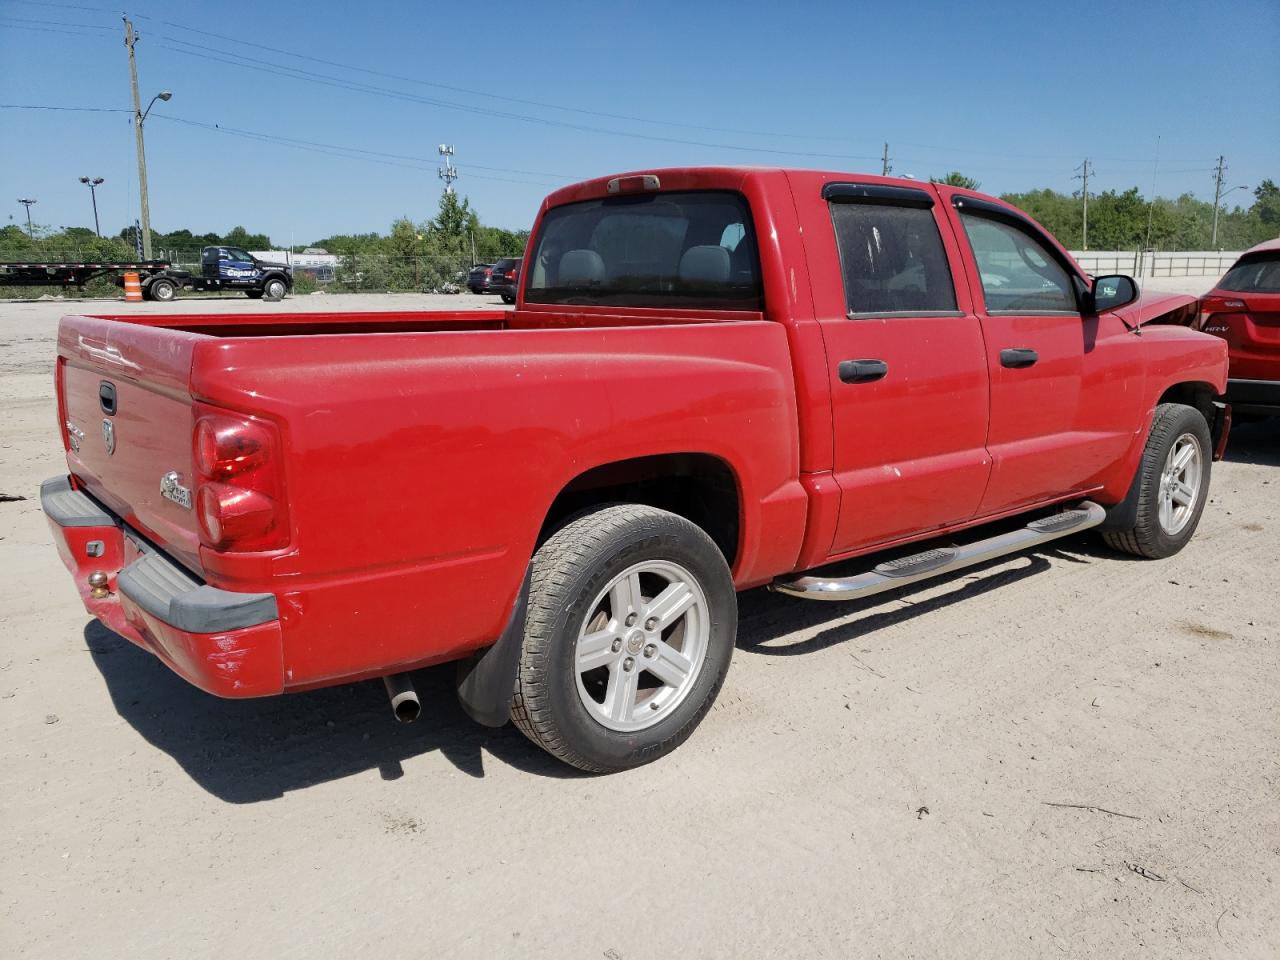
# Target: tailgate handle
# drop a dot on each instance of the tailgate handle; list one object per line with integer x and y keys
{"x": 862, "y": 371}
{"x": 107, "y": 397}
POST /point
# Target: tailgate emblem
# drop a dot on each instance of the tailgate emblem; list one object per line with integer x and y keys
{"x": 109, "y": 434}
{"x": 171, "y": 488}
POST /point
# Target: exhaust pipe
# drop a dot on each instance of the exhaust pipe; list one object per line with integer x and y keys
{"x": 404, "y": 699}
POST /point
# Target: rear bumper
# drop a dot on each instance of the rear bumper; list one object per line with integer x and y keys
{"x": 224, "y": 642}
{"x": 1254, "y": 396}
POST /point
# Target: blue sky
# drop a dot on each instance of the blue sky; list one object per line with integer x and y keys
{"x": 1015, "y": 94}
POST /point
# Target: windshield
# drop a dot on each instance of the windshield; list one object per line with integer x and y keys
{"x": 1259, "y": 273}
{"x": 680, "y": 250}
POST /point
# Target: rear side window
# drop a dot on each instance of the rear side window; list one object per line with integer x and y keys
{"x": 1019, "y": 274}
{"x": 1259, "y": 273}
{"x": 692, "y": 249}
{"x": 892, "y": 259}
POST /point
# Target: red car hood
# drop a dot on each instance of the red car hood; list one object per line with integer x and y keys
{"x": 1164, "y": 307}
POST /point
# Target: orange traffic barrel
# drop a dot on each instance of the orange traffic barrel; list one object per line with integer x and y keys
{"x": 132, "y": 286}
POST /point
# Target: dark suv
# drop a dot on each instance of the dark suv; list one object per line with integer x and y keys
{"x": 478, "y": 278}
{"x": 505, "y": 279}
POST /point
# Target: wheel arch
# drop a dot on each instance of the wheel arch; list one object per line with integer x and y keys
{"x": 701, "y": 487}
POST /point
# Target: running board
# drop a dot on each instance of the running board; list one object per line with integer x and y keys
{"x": 933, "y": 563}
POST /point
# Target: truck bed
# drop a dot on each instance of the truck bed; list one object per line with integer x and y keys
{"x": 421, "y": 460}
{"x": 408, "y": 321}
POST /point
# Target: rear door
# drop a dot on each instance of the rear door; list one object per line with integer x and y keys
{"x": 1065, "y": 388}
{"x": 907, "y": 366}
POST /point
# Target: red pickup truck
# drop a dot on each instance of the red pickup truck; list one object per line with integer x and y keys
{"x": 712, "y": 379}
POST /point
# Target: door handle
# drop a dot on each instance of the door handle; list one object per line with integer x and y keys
{"x": 862, "y": 371}
{"x": 1018, "y": 357}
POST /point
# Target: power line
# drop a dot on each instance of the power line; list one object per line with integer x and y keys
{"x": 481, "y": 93}
{"x": 347, "y": 153}
{"x": 295, "y": 73}
{"x": 56, "y": 23}
{"x": 41, "y": 106}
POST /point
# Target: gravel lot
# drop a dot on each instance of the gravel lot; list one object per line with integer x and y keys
{"x": 1068, "y": 753}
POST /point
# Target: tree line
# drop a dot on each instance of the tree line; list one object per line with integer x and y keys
{"x": 1118, "y": 220}
{"x": 1123, "y": 220}
{"x": 454, "y": 233}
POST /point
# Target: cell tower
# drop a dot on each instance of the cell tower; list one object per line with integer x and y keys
{"x": 448, "y": 173}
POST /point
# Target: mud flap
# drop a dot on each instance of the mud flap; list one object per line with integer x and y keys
{"x": 487, "y": 679}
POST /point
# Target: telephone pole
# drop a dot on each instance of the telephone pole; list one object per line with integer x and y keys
{"x": 885, "y": 168}
{"x": 1086, "y": 169}
{"x": 31, "y": 231}
{"x": 1219, "y": 178}
{"x": 130, "y": 38}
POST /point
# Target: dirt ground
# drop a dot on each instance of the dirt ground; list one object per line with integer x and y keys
{"x": 1068, "y": 753}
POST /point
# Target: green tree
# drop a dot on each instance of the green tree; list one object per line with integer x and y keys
{"x": 957, "y": 179}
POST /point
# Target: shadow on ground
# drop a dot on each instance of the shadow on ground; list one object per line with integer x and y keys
{"x": 1257, "y": 443}
{"x": 246, "y": 751}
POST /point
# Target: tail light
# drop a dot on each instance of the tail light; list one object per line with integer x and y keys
{"x": 240, "y": 487}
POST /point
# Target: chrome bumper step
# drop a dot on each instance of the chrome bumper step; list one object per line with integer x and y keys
{"x": 940, "y": 560}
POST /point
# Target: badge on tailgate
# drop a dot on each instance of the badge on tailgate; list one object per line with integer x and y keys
{"x": 171, "y": 488}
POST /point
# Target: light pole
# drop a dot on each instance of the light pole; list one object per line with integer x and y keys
{"x": 30, "y": 230}
{"x": 139, "y": 117}
{"x": 1217, "y": 203}
{"x": 92, "y": 184}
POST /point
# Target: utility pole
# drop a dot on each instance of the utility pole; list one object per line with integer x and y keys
{"x": 30, "y": 229}
{"x": 448, "y": 173}
{"x": 885, "y": 168}
{"x": 1219, "y": 178}
{"x": 93, "y": 183}
{"x": 130, "y": 38}
{"x": 1085, "y": 169}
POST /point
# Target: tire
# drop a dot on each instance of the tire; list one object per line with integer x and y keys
{"x": 274, "y": 289}
{"x": 253, "y": 294}
{"x": 616, "y": 716}
{"x": 162, "y": 290}
{"x": 1169, "y": 499}
{"x": 507, "y": 298}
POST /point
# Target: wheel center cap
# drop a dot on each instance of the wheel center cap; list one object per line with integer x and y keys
{"x": 635, "y": 641}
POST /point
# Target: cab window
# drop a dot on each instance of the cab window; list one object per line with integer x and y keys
{"x": 892, "y": 259}
{"x": 1019, "y": 274}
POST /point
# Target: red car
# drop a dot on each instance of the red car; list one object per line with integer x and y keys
{"x": 1244, "y": 309}
{"x": 712, "y": 379}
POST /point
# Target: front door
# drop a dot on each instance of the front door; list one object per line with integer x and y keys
{"x": 907, "y": 368}
{"x": 1065, "y": 388}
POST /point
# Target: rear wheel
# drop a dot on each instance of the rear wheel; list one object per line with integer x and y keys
{"x": 630, "y": 628}
{"x": 1173, "y": 484}
{"x": 162, "y": 290}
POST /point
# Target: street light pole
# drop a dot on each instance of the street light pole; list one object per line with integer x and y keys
{"x": 30, "y": 230}
{"x": 139, "y": 116}
{"x": 92, "y": 184}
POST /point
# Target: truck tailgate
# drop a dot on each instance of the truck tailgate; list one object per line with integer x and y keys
{"x": 126, "y": 410}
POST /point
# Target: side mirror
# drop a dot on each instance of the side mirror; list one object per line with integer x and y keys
{"x": 1112, "y": 292}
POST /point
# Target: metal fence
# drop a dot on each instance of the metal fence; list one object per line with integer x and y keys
{"x": 1157, "y": 263}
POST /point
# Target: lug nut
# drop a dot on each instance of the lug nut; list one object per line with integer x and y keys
{"x": 651, "y": 623}
{"x": 617, "y": 645}
{"x": 628, "y": 664}
{"x": 649, "y": 650}
{"x": 631, "y": 619}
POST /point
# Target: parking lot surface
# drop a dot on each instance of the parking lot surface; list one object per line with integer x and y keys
{"x": 1068, "y": 752}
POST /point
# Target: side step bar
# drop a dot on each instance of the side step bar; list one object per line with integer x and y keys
{"x": 932, "y": 563}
